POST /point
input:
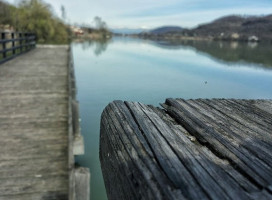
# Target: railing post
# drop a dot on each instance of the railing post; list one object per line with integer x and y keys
{"x": 26, "y": 41}
{"x": 4, "y": 45}
{"x": 34, "y": 40}
{"x": 21, "y": 42}
{"x": 31, "y": 40}
{"x": 13, "y": 43}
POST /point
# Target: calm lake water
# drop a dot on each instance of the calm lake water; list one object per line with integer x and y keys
{"x": 149, "y": 72}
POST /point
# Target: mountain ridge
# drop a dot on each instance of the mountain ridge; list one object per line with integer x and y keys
{"x": 166, "y": 29}
{"x": 232, "y": 27}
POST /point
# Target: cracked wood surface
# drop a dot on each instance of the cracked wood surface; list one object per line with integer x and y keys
{"x": 34, "y": 125}
{"x": 191, "y": 149}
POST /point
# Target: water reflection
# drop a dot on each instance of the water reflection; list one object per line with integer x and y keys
{"x": 227, "y": 52}
{"x": 98, "y": 46}
{"x": 234, "y": 45}
{"x": 252, "y": 44}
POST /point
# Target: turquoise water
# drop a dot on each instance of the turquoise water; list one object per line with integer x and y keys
{"x": 150, "y": 72}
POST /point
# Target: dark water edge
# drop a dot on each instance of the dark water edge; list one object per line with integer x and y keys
{"x": 150, "y": 71}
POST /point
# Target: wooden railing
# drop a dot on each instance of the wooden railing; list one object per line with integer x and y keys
{"x": 13, "y": 44}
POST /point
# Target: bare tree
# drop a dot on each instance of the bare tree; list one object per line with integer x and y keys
{"x": 63, "y": 12}
{"x": 99, "y": 23}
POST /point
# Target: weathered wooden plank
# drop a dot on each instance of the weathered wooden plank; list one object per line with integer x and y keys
{"x": 34, "y": 70}
{"x": 52, "y": 195}
{"x": 29, "y": 112}
{"x": 82, "y": 183}
{"x": 197, "y": 162}
{"x": 193, "y": 148}
{"x": 24, "y": 185}
{"x": 264, "y": 105}
{"x": 247, "y": 116}
{"x": 51, "y": 150}
{"x": 50, "y": 83}
{"x": 35, "y": 91}
{"x": 56, "y": 169}
{"x": 55, "y": 165}
{"x": 114, "y": 174}
{"x": 44, "y": 125}
{"x": 115, "y": 164}
{"x": 167, "y": 159}
{"x": 238, "y": 132}
{"x": 254, "y": 108}
{"x": 253, "y": 141}
{"x": 256, "y": 126}
{"x": 28, "y": 134}
{"x": 78, "y": 142}
{"x": 224, "y": 164}
{"x": 198, "y": 125}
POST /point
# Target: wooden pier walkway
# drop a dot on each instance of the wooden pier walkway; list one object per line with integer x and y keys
{"x": 34, "y": 144}
{"x": 191, "y": 149}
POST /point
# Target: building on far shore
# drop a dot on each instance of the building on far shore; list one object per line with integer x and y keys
{"x": 253, "y": 38}
{"x": 76, "y": 30}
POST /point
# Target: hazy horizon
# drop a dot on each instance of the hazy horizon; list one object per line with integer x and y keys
{"x": 155, "y": 13}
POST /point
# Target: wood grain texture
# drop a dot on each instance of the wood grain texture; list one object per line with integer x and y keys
{"x": 34, "y": 126}
{"x": 191, "y": 149}
{"x": 82, "y": 185}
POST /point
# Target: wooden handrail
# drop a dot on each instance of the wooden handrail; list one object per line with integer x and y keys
{"x": 14, "y": 44}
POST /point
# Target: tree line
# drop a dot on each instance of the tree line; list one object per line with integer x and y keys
{"x": 37, "y": 17}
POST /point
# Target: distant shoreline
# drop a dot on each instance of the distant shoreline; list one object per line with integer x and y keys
{"x": 184, "y": 38}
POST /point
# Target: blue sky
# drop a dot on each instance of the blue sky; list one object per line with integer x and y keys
{"x": 154, "y": 13}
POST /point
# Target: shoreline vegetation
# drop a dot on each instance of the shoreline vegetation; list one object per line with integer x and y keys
{"x": 33, "y": 16}
{"x": 88, "y": 33}
{"x": 38, "y": 17}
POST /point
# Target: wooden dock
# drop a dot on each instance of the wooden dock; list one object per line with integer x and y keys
{"x": 191, "y": 149}
{"x": 36, "y": 160}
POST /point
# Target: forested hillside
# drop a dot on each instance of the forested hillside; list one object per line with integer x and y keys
{"x": 230, "y": 28}
{"x": 236, "y": 27}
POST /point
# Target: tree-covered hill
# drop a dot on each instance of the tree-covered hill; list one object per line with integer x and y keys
{"x": 242, "y": 26}
{"x": 234, "y": 27}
